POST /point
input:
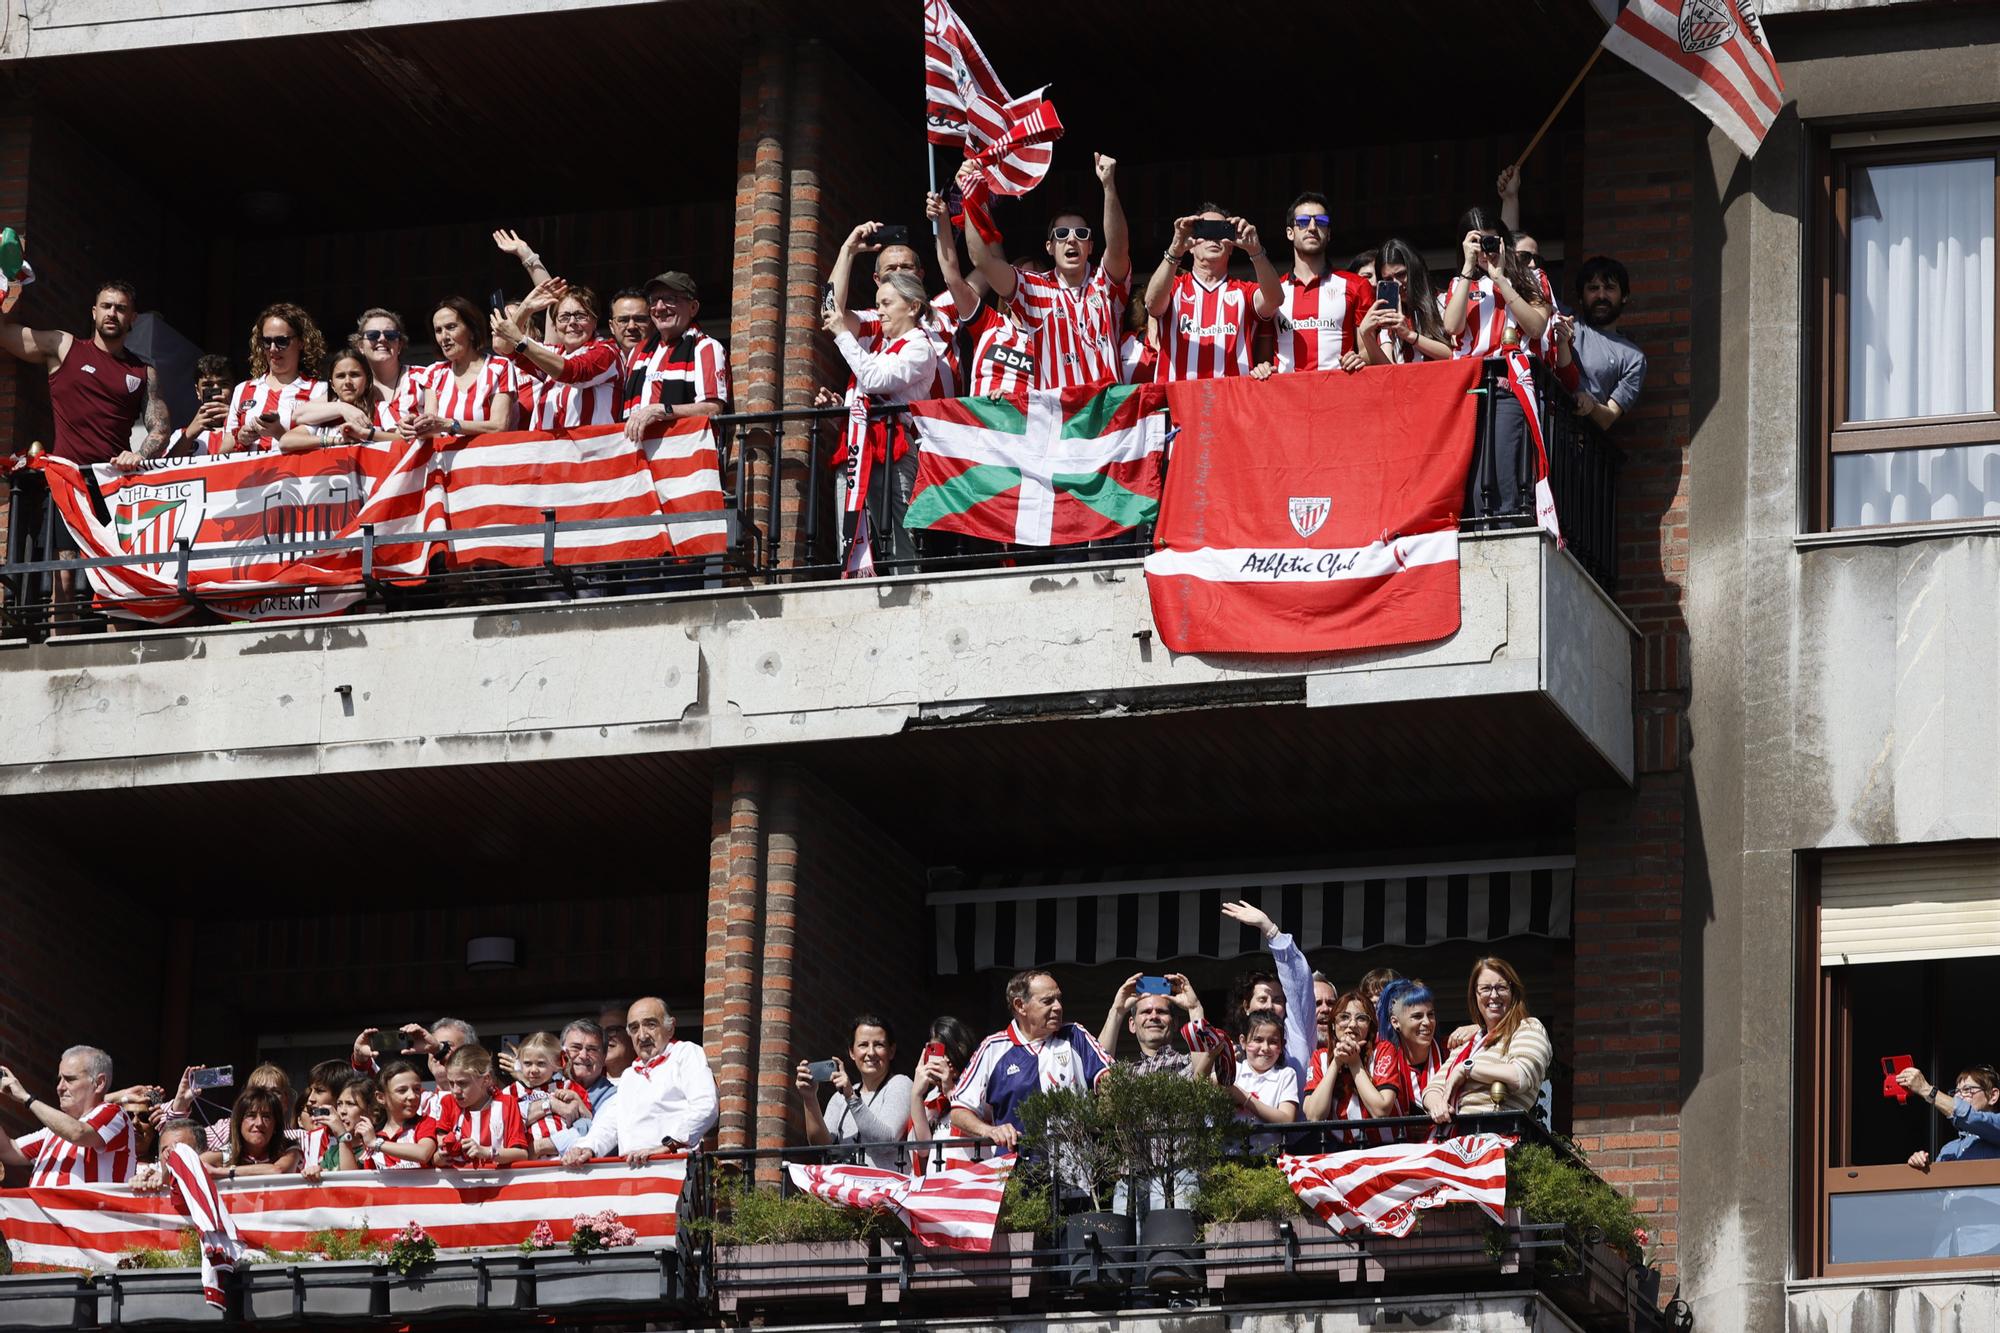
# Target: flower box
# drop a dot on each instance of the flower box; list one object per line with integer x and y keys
{"x": 1451, "y": 1238}
{"x": 48, "y": 1300}
{"x": 605, "y": 1277}
{"x": 826, "y": 1272}
{"x": 140, "y": 1297}
{"x": 455, "y": 1285}
{"x": 334, "y": 1291}
{"x": 1006, "y": 1271}
{"x": 1252, "y": 1253}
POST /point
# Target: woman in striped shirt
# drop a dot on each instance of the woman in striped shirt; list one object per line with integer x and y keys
{"x": 1502, "y": 1067}
{"x": 380, "y": 337}
{"x": 282, "y": 342}
{"x": 353, "y": 415}
{"x": 1338, "y": 1073}
{"x": 469, "y": 392}
{"x": 405, "y": 1137}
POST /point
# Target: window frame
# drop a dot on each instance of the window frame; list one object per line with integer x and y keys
{"x": 1825, "y": 1109}
{"x": 1836, "y": 433}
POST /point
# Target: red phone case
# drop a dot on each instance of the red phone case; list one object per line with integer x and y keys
{"x": 1893, "y": 1065}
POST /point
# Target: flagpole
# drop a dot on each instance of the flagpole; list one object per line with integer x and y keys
{"x": 1568, "y": 93}
{"x": 930, "y": 155}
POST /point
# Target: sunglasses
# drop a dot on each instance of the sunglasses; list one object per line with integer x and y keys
{"x": 275, "y": 344}
{"x": 382, "y": 336}
{"x": 1312, "y": 220}
{"x": 1064, "y": 233}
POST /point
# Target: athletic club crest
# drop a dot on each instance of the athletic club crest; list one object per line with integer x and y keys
{"x": 150, "y": 518}
{"x": 1705, "y": 25}
{"x": 1308, "y": 512}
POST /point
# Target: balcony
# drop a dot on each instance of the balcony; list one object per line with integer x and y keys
{"x": 1515, "y": 1274}
{"x": 1534, "y": 689}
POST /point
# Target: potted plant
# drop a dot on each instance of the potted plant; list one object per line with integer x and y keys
{"x": 771, "y": 1247}
{"x": 1605, "y": 1243}
{"x": 1069, "y": 1151}
{"x": 1167, "y": 1132}
{"x": 604, "y": 1265}
{"x": 1256, "y": 1229}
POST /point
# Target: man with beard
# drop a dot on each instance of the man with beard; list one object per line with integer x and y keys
{"x": 1610, "y": 368}
{"x": 1319, "y": 315}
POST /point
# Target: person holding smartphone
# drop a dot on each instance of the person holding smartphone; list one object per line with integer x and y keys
{"x": 282, "y": 341}
{"x": 945, "y": 1057}
{"x": 1406, "y": 321}
{"x": 1209, "y": 320}
{"x": 1144, "y": 1006}
{"x": 872, "y": 1110}
{"x": 211, "y": 393}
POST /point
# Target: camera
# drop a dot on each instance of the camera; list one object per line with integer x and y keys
{"x": 1489, "y": 245}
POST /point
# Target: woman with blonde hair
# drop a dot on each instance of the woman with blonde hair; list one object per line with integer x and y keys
{"x": 1502, "y": 1066}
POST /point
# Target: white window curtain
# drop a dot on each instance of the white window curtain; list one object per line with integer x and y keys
{"x": 1920, "y": 325}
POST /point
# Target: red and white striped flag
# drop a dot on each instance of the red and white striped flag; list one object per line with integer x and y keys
{"x": 1521, "y": 381}
{"x": 1015, "y": 160}
{"x": 962, "y": 93}
{"x": 92, "y": 1226}
{"x": 1714, "y": 53}
{"x": 954, "y": 1209}
{"x": 1381, "y": 1189}
{"x": 592, "y": 472}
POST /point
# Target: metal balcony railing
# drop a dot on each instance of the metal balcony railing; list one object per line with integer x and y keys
{"x": 761, "y": 550}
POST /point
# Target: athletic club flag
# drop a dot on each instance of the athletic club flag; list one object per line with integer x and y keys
{"x": 229, "y": 509}
{"x": 955, "y": 1209}
{"x": 1714, "y": 53}
{"x": 1042, "y": 467}
{"x": 1380, "y": 1190}
{"x": 962, "y": 93}
{"x": 93, "y": 1226}
{"x": 1312, "y": 513}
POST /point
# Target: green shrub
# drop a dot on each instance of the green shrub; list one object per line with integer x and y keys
{"x": 1236, "y": 1193}
{"x": 331, "y": 1245}
{"x": 765, "y": 1217}
{"x": 1025, "y": 1207}
{"x": 1550, "y": 1187}
{"x": 187, "y": 1256}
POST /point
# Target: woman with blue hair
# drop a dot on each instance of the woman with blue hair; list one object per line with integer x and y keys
{"x": 1406, "y": 1050}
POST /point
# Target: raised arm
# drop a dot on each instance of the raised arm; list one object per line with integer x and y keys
{"x": 1117, "y": 236}
{"x": 1461, "y": 284}
{"x": 1509, "y": 187}
{"x": 39, "y": 347}
{"x": 54, "y": 1119}
{"x": 1294, "y": 977}
{"x": 843, "y": 270}
{"x": 1160, "y": 287}
{"x": 947, "y": 256}
{"x": 1114, "y": 1017}
{"x": 1270, "y": 294}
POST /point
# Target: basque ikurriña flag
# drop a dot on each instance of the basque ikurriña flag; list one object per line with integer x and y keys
{"x": 1311, "y": 513}
{"x": 1040, "y": 467}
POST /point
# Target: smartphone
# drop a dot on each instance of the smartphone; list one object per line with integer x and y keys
{"x": 934, "y": 1051}
{"x": 1390, "y": 293}
{"x": 1154, "y": 986}
{"x": 320, "y": 1112}
{"x": 215, "y": 396}
{"x": 894, "y": 234}
{"x": 1489, "y": 245}
{"x": 1214, "y": 229}
{"x": 215, "y": 1076}
{"x": 497, "y": 299}
{"x": 822, "y": 1070}
{"x": 826, "y": 300}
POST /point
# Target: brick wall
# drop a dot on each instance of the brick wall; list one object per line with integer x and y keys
{"x": 1640, "y": 153}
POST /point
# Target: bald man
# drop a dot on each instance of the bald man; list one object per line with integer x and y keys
{"x": 666, "y": 1100}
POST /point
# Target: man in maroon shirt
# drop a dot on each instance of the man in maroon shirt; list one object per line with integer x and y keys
{"x": 98, "y": 390}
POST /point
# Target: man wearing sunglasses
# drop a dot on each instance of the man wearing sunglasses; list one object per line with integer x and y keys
{"x": 1319, "y": 317}
{"x": 1077, "y": 310}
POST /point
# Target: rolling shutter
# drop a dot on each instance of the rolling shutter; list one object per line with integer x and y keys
{"x": 1896, "y": 904}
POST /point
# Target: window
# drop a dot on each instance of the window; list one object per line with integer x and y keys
{"x": 1911, "y": 429}
{"x": 1903, "y": 953}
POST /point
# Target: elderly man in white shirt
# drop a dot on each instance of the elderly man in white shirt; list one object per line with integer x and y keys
{"x": 666, "y": 1100}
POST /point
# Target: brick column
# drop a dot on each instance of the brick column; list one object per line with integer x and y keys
{"x": 776, "y": 1057}
{"x": 757, "y": 271}
{"x": 1639, "y": 155}
{"x": 729, "y": 973}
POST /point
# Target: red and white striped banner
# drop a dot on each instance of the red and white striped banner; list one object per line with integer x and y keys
{"x": 1714, "y": 53}
{"x": 91, "y": 1226}
{"x": 1381, "y": 1189}
{"x": 1015, "y": 160}
{"x": 953, "y": 1209}
{"x": 592, "y": 472}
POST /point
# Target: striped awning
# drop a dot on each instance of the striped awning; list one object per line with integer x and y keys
{"x": 1148, "y": 920}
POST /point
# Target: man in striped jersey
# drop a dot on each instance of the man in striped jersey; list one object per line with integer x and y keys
{"x": 632, "y": 330}
{"x": 1319, "y": 314}
{"x": 687, "y": 374}
{"x": 84, "y": 1140}
{"x": 1077, "y": 310}
{"x": 998, "y": 349}
{"x": 1209, "y": 320}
